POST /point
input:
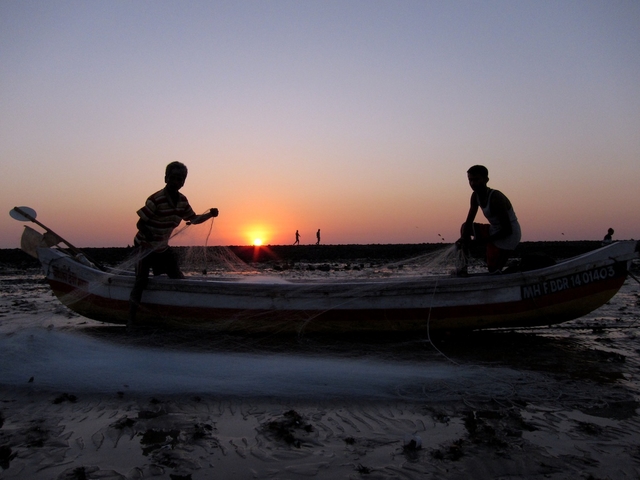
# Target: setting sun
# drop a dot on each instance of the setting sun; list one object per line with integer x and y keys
{"x": 257, "y": 235}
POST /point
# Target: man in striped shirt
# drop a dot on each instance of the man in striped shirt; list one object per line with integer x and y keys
{"x": 161, "y": 214}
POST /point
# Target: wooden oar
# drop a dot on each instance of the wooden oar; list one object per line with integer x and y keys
{"x": 24, "y": 214}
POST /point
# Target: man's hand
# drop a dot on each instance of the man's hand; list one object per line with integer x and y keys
{"x": 213, "y": 212}
{"x": 461, "y": 242}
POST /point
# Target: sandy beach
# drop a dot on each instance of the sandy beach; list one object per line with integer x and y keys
{"x": 83, "y": 400}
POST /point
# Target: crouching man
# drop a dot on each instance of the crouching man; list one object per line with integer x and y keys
{"x": 501, "y": 236}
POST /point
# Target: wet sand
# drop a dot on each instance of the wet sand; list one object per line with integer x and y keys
{"x": 82, "y": 400}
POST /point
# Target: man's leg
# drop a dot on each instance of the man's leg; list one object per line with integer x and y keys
{"x": 170, "y": 264}
{"x": 142, "y": 279}
{"x": 496, "y": 258}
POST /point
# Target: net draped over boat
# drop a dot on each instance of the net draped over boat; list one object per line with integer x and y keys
{"x": 372, "y": 274}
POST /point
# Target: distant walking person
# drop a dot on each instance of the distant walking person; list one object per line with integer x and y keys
{"x": 162, "y": 213}
{"x": 502, "y": 235}
{"x": 297, "y": 242}
{"x": 608, "y": 238}
{"x": 318, "y": 237}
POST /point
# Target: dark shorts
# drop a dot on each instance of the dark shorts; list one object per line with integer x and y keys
{"x": 165, "y": 262}
{"x": 496, "y": 257}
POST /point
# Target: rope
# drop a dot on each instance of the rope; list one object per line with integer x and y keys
{"x": 435, "y": 287}
{"x": 206, "y": 241}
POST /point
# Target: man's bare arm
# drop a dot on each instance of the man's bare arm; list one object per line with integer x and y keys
{"x": 213, "y": 212}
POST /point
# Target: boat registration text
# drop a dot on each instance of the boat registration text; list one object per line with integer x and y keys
{"x": 574, "y": 280}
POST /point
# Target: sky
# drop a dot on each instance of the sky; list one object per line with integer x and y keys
{"x": 356, "y": 117}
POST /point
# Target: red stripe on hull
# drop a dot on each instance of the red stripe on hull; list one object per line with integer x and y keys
{"x": 542, "y": 310}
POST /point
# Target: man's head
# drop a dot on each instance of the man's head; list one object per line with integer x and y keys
{"x": 478, "y": 176}
{"x": 175, "y": 175}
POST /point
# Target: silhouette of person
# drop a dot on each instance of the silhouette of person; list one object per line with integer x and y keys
{"x": 502, "y": 235}
{"x": 161, "y": 214}
{"x": 608, "y": 238}
{"x": 297, "y": 242}
{"x": 318, "y": 237}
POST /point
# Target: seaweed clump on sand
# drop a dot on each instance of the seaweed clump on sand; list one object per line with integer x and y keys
{"x": 497, "y": 428}
{"x": 65, "y": 397}
{"x": 6, "y": 455}
{"x": 153, "y": 439}
{"x": 285, "y": 428}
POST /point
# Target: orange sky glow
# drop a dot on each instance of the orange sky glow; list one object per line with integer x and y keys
{"x": 338, "y": 116}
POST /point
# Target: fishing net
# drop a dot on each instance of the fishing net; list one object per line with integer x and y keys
{"x": 349, "y": 278}
{"x": 441, "y": 259}
{"x": 406, "y": 367}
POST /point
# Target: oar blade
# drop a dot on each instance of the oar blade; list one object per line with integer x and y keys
{"x": 18, "y": 213}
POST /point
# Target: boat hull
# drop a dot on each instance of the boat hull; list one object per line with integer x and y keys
{"x": 547, "y": 296}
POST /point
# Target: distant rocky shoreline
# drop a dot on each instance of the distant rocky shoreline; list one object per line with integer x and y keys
{"x": 16, "y": 258}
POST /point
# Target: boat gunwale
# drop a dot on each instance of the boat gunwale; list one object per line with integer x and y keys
{"x": 480, "y": 281}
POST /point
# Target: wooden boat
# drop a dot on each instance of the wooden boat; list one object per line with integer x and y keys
{"x": 550, "y": 295}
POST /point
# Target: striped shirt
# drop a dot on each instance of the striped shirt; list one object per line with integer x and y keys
{"x": 161, "y": 217}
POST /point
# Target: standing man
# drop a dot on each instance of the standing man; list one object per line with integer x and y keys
{"x": 161, "y": 214}
{"x": 502, "y": 235}
{"x": 318, "y": 237}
